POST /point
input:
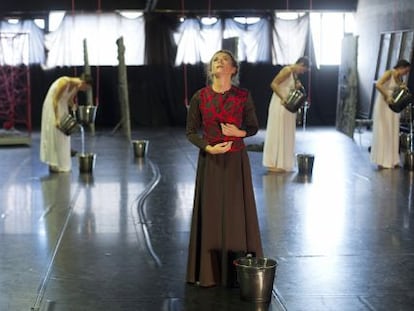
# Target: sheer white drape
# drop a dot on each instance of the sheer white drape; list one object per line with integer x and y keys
{"x": 289, "y": 39}
{"x": 21, "y": 43}
{"x": 197, "y": 42}
{"x": 328, "y": 30}
{"x": 254, "y": 39}
{"x": 65, "y": 45}
{"x": 281, "y": 43}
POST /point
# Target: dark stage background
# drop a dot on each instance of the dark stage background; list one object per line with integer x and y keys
{"x": 157, "y": 93}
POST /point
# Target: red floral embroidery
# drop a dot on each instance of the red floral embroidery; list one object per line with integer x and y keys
{"x": 219, "y": 108}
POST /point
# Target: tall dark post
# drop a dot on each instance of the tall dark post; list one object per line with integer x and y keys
{"x": 123, "y": 89}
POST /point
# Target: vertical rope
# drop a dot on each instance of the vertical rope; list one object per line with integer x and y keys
{"x": 184, "y": 64}
{"x": 97, "y": 85}
{"x": 222, "y": 31}
{"x": 185, "y": 85}
{"x": 310, "y": 56}
{"x": 182, "y": 8}
{"x": 75, "y": 72}
{"x": 394, "y": 15}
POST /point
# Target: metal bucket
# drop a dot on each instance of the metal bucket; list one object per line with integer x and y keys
{"x": 140, "y": 148}
{"x": 295, "y": 100}
{"x": 305, "y": 163}
{"x": 405, "y": 114}
{"x": 86, "y": 162}
{"x": 68, "y": 124}
{"x": 405, "y": 141}
{"x": 401, "y": 98}
{"x": 256, "y": 276}
{"x": 86, "y": 179}
{"x": 409, "y": 161}
{"x": 86, "y": 114}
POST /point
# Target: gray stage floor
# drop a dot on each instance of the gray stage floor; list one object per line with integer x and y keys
{"x": 117, "y": 239}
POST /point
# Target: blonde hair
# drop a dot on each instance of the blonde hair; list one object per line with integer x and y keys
{"x": 87, "y": 78}
{"x": 234, "y": 63}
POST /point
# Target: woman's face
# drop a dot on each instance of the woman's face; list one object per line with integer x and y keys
{"x": 83, "y": 86}
{"x": 302, "y": 68}
{"x": 405, "y": 70}
{"x": 222, "y": 64}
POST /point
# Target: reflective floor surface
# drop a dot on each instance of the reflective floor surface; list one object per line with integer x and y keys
{"x": 116, "y": 238}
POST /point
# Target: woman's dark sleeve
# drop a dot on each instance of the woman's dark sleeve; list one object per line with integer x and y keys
{"x": 251, "y": 125}
{"x": 194, "y": 122}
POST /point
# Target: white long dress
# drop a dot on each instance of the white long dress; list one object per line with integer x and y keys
{"x": 279, "y": 144}
{"x": 385, "y": 132}
{"x": 54, "y": 145}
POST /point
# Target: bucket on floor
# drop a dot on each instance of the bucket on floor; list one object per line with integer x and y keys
{"x": 409, "y": 161}
{"x": 305, "y": 163}
{"x": 256, "y": 276}
{"x": 86, "y": 179}
{"x": 140, "y": 148}
{"x": 405, "y": 141}
{"x": 86, "y": 162}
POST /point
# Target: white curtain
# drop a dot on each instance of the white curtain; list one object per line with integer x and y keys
{"x": 253, "y": 39}
{"x": 65, "y": 45}
{"x": 289, "y": 39}
{"x": 196, "y": 42}
{"x": 21, "y": 43}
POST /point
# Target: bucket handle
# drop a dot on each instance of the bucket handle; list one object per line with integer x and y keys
{"x": 248, "y": 255}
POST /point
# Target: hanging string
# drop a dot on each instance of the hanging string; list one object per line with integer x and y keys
{"x": 184, "y": 64}
{"x": 182, "y": 8}
{"x": 395, "y": 15}
{"x": 310, "y": 56}
{"x": 97, "y": 88}
{"x": 209, "y": 16}
{"x": 75, "y": 71}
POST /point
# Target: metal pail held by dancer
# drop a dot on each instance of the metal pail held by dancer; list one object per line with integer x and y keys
{"x": 68, "y": 124}
{"x": 401, "y": 98}
{"x": 295, "y": 100}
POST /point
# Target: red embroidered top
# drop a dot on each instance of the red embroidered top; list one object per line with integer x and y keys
{"x": 208, "y": 109}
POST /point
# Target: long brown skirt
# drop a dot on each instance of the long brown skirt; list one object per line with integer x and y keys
{"x": 224, "y": 217}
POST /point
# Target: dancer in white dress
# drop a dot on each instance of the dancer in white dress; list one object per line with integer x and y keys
{"x": 279, "y": 144}
{"x": 386, "y": 123}
{"x": 54, "y": 145}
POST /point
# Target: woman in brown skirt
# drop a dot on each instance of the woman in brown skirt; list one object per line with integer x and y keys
{"x": 224, "y": 217}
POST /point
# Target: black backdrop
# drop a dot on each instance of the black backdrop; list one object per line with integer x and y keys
{"x": 157, "y": 93}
